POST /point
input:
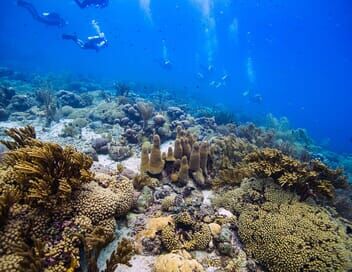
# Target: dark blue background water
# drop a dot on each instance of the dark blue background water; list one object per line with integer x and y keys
{"x": 295, "y": 54}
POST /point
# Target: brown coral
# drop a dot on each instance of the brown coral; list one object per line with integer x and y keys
{"x": 284, "y": 234}
{"x": 178, "y": 151}
{"x": 156, "y": 164}
{"x": 308, "y": 179}
{"x": 47, "y": 174}
{"x": 146, "y": 111}
{"x": 144, "y": 159}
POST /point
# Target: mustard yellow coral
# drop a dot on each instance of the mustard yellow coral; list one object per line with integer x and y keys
{"x": 284, "y": 234}
{"x": 178, "y": 261}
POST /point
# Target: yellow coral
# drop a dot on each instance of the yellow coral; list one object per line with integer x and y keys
{"x": 178, "y": 261}
{"x": 156, "y": 164}
{"x": 284, "y": 234}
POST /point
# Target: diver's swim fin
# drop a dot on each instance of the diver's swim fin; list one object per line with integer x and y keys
{"x": 69, "y": 37}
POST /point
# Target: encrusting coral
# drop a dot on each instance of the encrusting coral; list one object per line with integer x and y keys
{"x": 177, "y": 261}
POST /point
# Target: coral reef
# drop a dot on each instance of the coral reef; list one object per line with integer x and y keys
{"x": 122, "y": 255}
{"x": 287, "y": 235}
{"x": 186, "y": 233}
{"x": 45, "y": 173}
{"x": 308, "y": 179}
{"x": 48, "y": 194}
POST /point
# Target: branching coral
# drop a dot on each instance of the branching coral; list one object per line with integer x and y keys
{"x": 308, "y": 179}
{"x": 122, "y": 255}
{"x": 146, "y": 111}
{"x": 47, "y": 193}
{"x": 47, "y": 174}
{"x": 21, "y": 137}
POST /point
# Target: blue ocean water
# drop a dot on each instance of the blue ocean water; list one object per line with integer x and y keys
{"x": 289, "y": 58}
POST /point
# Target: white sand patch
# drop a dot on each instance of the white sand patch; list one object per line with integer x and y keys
{"x": 207, "y": 197}
{"x": 106, "y": 161}
{"x": 88, "y": 134}
{"x": 56, "y": 129}
{"x": 10, "y": 124}
{"x": 139, "y": 264}
{"x": 132, "y": 163}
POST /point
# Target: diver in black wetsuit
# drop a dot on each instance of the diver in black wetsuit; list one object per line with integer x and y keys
{"x": 95, "y": 42}
{"x": 48, "y": 18}
{"x": 96, "y": 3}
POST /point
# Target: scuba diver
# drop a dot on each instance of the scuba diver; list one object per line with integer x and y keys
{"x": 96, "y": 3}
{"x": 165, "y": 62}
{"x": 95, "y": 42}
{"x": 48, "y": 18}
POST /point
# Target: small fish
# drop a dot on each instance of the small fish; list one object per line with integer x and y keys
{"x": 224, "y": 77}
{"x": 245, "y": 93}
{"x": 212, "y": 83}
{"x": 200, "y": 75}
{"x": 218, "y": 85}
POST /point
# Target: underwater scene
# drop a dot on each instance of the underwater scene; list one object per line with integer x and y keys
{"x": 175, "y": 136}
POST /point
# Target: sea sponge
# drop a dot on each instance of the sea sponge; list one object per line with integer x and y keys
{"x": 156, "y": 164}
{"x": 178, "y": 261}
{"x": 178, "y": 151}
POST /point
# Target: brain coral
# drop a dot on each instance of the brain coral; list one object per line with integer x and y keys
{"x": 284, "y": 234}
{"x": 100, "y": 203}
